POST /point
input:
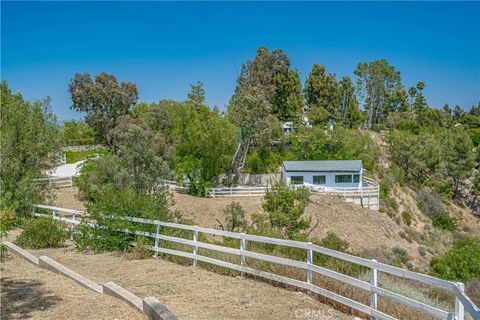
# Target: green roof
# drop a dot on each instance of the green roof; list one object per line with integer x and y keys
{"x": 323, "y": 166}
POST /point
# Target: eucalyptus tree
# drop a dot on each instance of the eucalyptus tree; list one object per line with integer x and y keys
{"x": 376, "y": 81}
{"x": 267, "y": 85}
{"x": 351, "y": 116}
{"x": 103, "y": 99}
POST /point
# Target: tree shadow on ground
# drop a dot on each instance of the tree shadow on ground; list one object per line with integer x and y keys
{"x": 19, "y": 298}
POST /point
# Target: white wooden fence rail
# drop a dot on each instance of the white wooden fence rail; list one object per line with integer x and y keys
{"x": 462, "y": 301}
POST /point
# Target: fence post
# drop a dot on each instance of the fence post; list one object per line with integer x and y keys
{"x": 459, "y": 308}
{"x": 157, "y": 233}
{"x": 195, "y": 248}
{"x": 242, "y": 251}
{"x": 309, "y": 261}
{"x": 72, "y": 229}
{"x": 54, "y": 214}
{"x": 374, "y": 282}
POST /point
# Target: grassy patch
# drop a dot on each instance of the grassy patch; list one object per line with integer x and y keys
{"x": 75, "y": 156}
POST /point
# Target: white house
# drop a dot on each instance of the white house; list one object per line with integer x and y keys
{"x": 328, "y": 174}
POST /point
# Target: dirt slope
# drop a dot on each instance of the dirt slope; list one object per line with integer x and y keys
{"x": 192, "y": 292}
{"x": 31, "y": 292}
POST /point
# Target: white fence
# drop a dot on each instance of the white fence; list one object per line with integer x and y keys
{"x": 59, "y": 182}
{"x": 462, "y": 301}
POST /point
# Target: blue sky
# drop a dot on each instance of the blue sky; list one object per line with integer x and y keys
{"x": 164, "y": 46}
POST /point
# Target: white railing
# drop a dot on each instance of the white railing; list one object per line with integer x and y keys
{"x": 462, "y": 301}
{"x": 241, "y": 191}
{"x": 55, "y": 181}
{"x": 236, "y": 192}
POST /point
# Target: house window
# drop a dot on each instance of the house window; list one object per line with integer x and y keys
{"x": 296, "y": 179}
{"x": 318, "y": 179}
{"x": 343, "y": 178}
{"x": 356, "y": 178}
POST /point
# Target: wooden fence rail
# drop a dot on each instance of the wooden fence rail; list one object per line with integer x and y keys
{"x": 462, "y": 301}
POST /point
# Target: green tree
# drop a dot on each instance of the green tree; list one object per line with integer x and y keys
{"x": 141, "y": 155}
{"x": 351, "y": 116}
{"x": 77, "y": 133}
{"x": 204, "y": 145}
{"x": 458, "y": 157}
{"x": 29, "y": 141}
{"x": 197, "y": 94}
{"x": 103, "y": 99}
{"x": 285, "y": 208}
{"x": 322, "y": 92}
{"x": 376, "y": 81}
{"x": 419, "y": 103}
{"x": 266, "y": 86}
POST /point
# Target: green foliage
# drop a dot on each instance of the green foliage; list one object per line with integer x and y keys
{"x": 407, "y": 217}
{"x": 142, "y": 248}
{"x": 41, "y": 233}
{"x": 77, "y": 133}
{"x": 460, "y": 263}
{"x": 332, "y": 241}
{"x": 444, "y": 222}
{"x": 110, "y": 207}
{"x": 284, "y": 207}
{"x": 75, "y": 156}
{"x": 235, "y": 217}
{"x": 431, "y": 205}
{"x": 29, "y": 140}
{"x": 342, "y": 144}
{"x": 321, "y": 92}
{"x": 377, "y": 81}
{"x": 103, "y": 99}
{"x": 475, "y": 136}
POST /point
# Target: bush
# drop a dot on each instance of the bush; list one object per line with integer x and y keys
{"x": 108, "y": 209}
{"x": 235, "y": 217}
{"x": 142, "y": 248}
{"x": 41, "y": 233}
{"x": 429, "y": 203}
{"x": 460, "y": 263}
{"x": 407, "y": 218}
{"x": 445, "y": 222}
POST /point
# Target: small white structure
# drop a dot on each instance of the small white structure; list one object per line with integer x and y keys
{"x": 331, "y": 174}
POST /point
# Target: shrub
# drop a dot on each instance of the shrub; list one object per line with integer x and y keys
{"x": 400, "y": 255}
{"x": 108, "y": 209}
{"x": 422, "y": 250}
{"x": 235, "y": 216}
{"x": 445, "y": 222}
{"x": 42, "y": 233}
{"x": 142, "y": 248}
{"x": 407, "y": 218}
{"x": 460, "y": 263}
{"x": 429, "y": 203}
{"x": 285, "y": 207}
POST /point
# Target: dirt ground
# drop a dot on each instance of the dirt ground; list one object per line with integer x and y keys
{"x": 28, "y": 292}
{"x": 189, "y": 292}
{"x": 365, "y": 230}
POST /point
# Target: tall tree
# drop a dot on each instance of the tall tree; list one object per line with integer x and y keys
{"x": 419, "y": 103}
{"x": 266, "y": 85}
{"x": 103, "y": 99}
{"x": 197, "y": 94}
{"x": 321, "y": 92}
{"x": 29, "y": 139}
{"x": 376, "y": 81}
{"x": 351, "y": 115}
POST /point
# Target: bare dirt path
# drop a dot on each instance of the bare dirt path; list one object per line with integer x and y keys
{"x": 192, "y": 292}
{"x": 28, "y": 292}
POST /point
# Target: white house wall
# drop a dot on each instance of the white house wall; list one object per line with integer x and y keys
{"x": 329, "y": 178}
